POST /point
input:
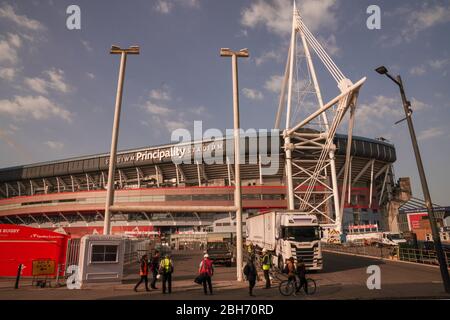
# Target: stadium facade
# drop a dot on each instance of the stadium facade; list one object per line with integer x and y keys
{"x": 69, "y": 195}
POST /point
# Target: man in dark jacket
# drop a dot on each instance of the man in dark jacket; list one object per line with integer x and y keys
{"x": 301, "y": 274}
{"x": 143, "y": 272}
{"x": 154, "y": 268}
{"x": 251, "y": 274}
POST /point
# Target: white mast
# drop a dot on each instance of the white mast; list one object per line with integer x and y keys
{"x": 307, "y": 179}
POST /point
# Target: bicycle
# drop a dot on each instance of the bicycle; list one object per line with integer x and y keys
{"x": 287, "y": 287}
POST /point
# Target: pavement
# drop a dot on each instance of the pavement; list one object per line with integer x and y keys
{"x": 343, "y": 277}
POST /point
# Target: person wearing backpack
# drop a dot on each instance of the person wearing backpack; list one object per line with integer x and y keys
{"x": 206, "y": 271}
{"x": 251, "y": 274}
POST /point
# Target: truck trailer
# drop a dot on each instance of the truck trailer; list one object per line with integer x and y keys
{"x": 287, "y": 234}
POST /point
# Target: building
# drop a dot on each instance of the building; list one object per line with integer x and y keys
{"x": 69, "y": 195}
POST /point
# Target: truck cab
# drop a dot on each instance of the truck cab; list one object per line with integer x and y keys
{"x": 287, "y": 234}
{"x": 393, "y": 238}
{"x": 299, "y": 237}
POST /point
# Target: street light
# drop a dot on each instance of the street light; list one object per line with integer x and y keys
{"x": 243, "y": 53}
{"x": 115, "y": 132}
{"x": 426, "y": 192}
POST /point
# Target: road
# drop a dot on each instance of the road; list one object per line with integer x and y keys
{"x": 343, "y": 277}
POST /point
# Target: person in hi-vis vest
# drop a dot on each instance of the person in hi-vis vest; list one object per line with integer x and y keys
{"x": 166, "y": 270}
{"x": 266, "y": 264}
{"x": 143, "y": 272}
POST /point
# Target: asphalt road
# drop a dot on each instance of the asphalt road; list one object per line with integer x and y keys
{"x": 343, "y": 277}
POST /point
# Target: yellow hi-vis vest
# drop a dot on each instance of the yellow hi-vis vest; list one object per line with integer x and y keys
{"x": 165, "y": 264}
{"x": 266, "y": 262}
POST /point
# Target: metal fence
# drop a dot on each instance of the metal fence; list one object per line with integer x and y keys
{"x": 135, "y": 249}
{"x": 394, "y": 253}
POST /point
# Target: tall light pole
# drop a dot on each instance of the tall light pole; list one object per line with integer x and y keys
{"x": 115, "y": 132}
{"x": 243, "y": 53}
{"x": 423, "y": 179}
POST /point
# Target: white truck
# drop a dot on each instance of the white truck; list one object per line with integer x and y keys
{"x": 287, "y": 234}
{"x": 383, "y": 238}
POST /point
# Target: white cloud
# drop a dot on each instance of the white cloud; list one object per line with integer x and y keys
{"x": 438, "y": 64}
{"x": 55, "y": 82}
{"x": 433, "y": 64}
{"x": 90, "y": 75}
{"x": 87, "y": 45}
{"x": 166, "y": 6}
{"x": 156, "y": 109}
{"x": 8, "y": 48}
{"x": 165, "y": 117}
{"x": 163, "y": 6}
{"x": 15, "y": 40}
{"x": 382, "y": 112}
{"x": 276, "y": 15}
{"x": 431, "y": 133}
{"x": 7, "y": 74}
{"x": 329, "y": 44}
{"x": 425, "y": 18}
{"x": 200, "y": 111}
{"x": 37, "y": 84}
{"x": 56, "y": 145}
{"x": 417, "y": 71}
{"x": 161, "y": 94}
{"x": 252, "y": 94}
{"x": 267, "y": 56}
{"x": 417, "y": 105}
{"x": 37, "y": 107}
{"x": 7, "y": 12}
{"x": 415, "y": 20}
{"x": 274, "y": 83}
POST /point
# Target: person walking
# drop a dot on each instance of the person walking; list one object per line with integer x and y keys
{"x": 251, "y": 274}
{"x": 143, "y": 272}
{"x": 154, "y": 268}
{"x": 266, "y": 264}
{"x": 301, "y": 274}
{"x": 206, "y": 270}
{"x": 290, "y": 270}
{"x": 166, "y": 270}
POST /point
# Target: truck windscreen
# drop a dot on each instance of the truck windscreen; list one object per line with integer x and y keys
{"x": 301, "y": 234}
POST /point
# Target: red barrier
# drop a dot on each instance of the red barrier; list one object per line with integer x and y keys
{"x": 23, "y": 245}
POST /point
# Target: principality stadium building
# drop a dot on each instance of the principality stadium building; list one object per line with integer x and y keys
{"x": 69, "y": 195}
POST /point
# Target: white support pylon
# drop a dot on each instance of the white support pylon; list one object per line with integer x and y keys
{"x": 308, "y": 186}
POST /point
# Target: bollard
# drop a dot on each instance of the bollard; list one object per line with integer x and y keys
{"x": 19, "y": 271}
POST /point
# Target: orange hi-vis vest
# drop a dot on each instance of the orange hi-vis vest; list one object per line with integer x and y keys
{"x": 144, "y": 270}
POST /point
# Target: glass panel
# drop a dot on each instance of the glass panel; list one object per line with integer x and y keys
{"x": 98, "y": 249}
{"x": 97, "y": 257}
{"x": 110, "y": 257}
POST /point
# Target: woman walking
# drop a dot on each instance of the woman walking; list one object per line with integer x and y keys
{"x": 251, "y": 274}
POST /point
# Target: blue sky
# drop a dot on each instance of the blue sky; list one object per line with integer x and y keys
{"x": 57, "y": 86}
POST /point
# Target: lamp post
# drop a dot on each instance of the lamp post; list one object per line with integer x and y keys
{"x": 423, "y": 179}
{"x": 115, "y": 133}
{"x": 243, "y": 53}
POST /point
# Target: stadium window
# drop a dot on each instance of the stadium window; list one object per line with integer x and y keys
{"x": 104, "y": 253}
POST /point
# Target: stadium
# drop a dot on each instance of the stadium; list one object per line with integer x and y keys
{"x": 69, "y": 195}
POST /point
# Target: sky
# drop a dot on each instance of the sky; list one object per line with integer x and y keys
{"x": 57, "y": 86}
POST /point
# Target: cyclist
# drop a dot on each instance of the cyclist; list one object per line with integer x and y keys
{"x": 301, "y": 274}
